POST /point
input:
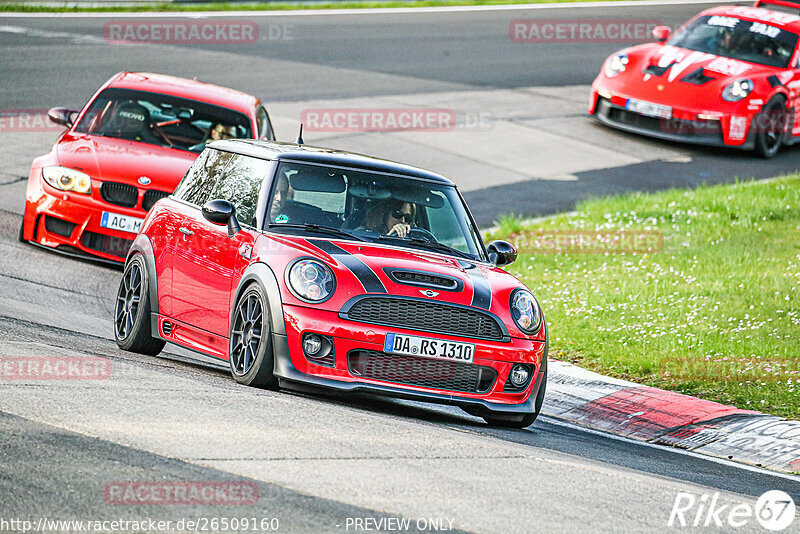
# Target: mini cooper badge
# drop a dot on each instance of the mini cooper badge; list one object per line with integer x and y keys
{"x": 144, "y": 180}
{"x": 428, "y": 293}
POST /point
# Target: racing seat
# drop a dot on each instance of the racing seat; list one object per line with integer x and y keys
{"x": 132, "y": 122}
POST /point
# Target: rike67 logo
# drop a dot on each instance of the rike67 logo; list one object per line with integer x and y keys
{"x": 774, "y": 511}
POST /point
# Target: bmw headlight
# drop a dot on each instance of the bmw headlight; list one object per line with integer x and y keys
{"x": 615, "y": 64}
{"x": 68, "y": 179}
{"x": 525, "y": 311}
{"x": 311, "y": 280}
{"x": 737, "y": 90}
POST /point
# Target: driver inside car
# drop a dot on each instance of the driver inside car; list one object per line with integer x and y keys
{"x": 391, "y": 217}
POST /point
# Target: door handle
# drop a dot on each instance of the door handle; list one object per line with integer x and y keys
{"x": 186, "y": 231}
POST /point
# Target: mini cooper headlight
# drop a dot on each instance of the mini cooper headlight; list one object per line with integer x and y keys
{"x": 525, "y": 311}
{"x": 311, "y": 280}
{"x": 615, "y": 64}
{"x": 737, "y": 90}
{"x": 68, "y": 179}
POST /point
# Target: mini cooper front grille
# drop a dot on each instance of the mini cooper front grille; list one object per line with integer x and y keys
{"x": 151, "y": 197}
{"x": 58, "y": 226}
{"x": 425, "y": 316}
{"x": 423, "y": 279}
{"x": 118, "y": 194}
{"x": 423, "y": 372}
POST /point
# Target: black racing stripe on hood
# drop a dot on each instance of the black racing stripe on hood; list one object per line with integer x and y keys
{"x": 482, "y": 291}
{"x": 365, "y": 275}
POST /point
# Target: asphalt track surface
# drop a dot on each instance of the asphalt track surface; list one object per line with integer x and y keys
{"x": 317, "y": 460}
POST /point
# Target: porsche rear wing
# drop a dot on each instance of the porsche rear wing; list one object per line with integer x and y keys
{"x": 784, "y": 3}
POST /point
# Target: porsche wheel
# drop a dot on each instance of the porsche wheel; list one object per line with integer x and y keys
{"x": 771, "y": 124}
{"x": 132, "y": 312}
{"x": 250, "y": 352}
{"x": 522, "y": 421}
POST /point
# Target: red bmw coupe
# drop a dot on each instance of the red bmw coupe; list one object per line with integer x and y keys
{"x": 728, "y": 77}
{"x": 128, "y": 148}
{"x": 307, "y": 267}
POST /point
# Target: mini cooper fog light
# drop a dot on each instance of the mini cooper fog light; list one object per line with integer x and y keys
{"x": 519, "y": 375}
{"x": 312, "y": 345}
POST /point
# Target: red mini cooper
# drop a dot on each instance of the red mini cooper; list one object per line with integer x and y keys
{"x": 307, "y": 267}
{"x": 728, "y": 77}
{"x": 128, "y": 147}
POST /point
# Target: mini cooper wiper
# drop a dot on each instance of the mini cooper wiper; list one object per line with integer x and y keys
{"x": 319, "y": 228}
{"x": 438, "y": 247}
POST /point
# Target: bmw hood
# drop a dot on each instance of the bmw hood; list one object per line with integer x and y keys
{"x": 118, "y": 160}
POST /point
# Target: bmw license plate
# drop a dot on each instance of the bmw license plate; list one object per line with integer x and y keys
{"x": 123, "y": 223}
{"x": 649, "y": 109}
{"x": 429, "y": 348}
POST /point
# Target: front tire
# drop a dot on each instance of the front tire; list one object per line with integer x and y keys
{"x": 132, "y": 313}
{"x": 522, "y": 421}
{"x": 250, "y": 349}
{"x": 771, "y": 124}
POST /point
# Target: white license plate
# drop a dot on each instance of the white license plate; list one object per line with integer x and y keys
{"x": 649, "y": 109}
{"x": 114, "y": 221}
{"x": 429, "y": 348}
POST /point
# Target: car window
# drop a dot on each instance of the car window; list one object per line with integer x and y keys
{"x": 263, "y": 124}
{"x": 163, "y": 120}
{"x": 240, "y": 185}
{"x": 198, "y": 184}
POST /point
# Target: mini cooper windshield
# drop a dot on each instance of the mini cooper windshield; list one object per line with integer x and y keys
{"x": 370, "y": 206}
{"x": 162, "y": 120}
{"x": 735, "y": 38}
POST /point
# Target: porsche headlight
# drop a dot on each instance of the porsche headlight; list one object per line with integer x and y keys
{"x": 737, "y": 90}
{"x": 68, "y": 179}
{"x": 525, "y": 311}
{"x": 615, "y": 64}
{"x": 311, "y": 280}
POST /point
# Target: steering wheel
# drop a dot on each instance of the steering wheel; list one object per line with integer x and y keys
{"x": 423, "y": 234}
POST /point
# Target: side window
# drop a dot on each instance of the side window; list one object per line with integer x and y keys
{"x": 241, "y": 184}
{"x": 263, "y": 124}
{"x": 199, "y": 182}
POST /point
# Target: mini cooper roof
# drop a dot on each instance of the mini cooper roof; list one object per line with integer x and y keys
{"x": 325, "y": 156}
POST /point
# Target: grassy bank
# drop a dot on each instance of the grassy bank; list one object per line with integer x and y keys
{"x": 715, "y": 313}
{"x": 264, "y": 6}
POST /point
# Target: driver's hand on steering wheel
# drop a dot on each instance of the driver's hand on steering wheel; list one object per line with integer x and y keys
{"x": 400, "y": 230}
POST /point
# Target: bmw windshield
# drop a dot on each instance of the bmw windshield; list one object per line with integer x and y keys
{"x": 369, "y": 206}
{"x": 740, "y": 39}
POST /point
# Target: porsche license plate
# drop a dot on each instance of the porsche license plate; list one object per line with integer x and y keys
{"x": 429, "y": 348}
{"x": 123, "y": 223}
{"x": 649, "y": 109}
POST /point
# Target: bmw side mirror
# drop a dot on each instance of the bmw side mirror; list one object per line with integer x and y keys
{"x": 501, "y": 253}
{"x": 61, "y": 116}
{"x": 222, "y": 213}
{"x": 661, "y": 33}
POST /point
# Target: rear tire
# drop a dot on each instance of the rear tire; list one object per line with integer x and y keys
{"x": 771, "y": 124}
{"x": 522, "y": 421}
{"x": 132, "y": 313}
{"x": 250, "y": 350}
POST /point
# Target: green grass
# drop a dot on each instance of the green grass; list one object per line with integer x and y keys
{"x": 263, "y": 6}
{"x": 715, "y": 314}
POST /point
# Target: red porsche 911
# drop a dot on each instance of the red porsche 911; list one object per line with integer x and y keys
{"x": 128, "y": 148}
{"x": 728, "y": 77}
{"x": 306, "y": 267}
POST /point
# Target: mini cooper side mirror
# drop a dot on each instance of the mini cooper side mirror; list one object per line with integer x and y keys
{"x": 661, "y": 33}
{"x": 501, "y": 253}
{"x": 61, "y": 116}
{"x": 222, "y": 212}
